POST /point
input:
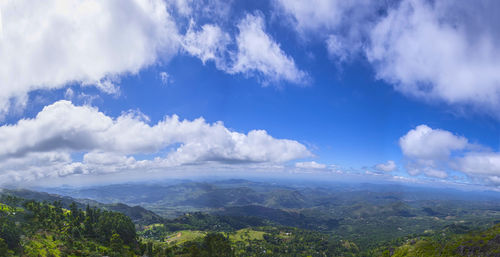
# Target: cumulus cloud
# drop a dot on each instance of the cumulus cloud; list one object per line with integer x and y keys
{"x": 435, "y": 152}
{"x": 426, "y": 143}
{"x": 446, "y": 50}
{"x": 48, "y": 45}
{"x": 259, "y": 54}
{"x": 428, "y": 150}
{"x": 387, "y": 167}
{"x": 64, "y": 128}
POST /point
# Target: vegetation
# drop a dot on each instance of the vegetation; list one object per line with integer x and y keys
{"x": 31, "y": 228}
{"x": 256, "y": 220}
{"x": 452, "y": 241}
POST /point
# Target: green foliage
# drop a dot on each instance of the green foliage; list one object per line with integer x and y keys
{"x": 9, "y": 233}
{"x": 42, "y": 245}
{"x": 116, "y": 244}
{"x": 215, "y": 244}
{"x": 247, "y": 234}
{"x": 449, "y": 243}
{"x": 50, "y": 230}
{"x": 4, "y": 249}
{"x": 287, "y": 241}
{"x": 203, "y": 221}
{"x": 109, "y": 223}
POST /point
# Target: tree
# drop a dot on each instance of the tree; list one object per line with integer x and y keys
{"x": 4, "y": 248}
{"x": 215, "y": 244}
{"x": 9, "y": 233}
{"x": 116, "y": 245}
{"x": 110, "y": 223}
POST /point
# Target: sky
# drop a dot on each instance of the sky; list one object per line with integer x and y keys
{"x": 107, "y": 90}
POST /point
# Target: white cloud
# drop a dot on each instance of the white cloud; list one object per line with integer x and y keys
{"x": 428, "y": 150}
{"x": 315, "y": 14}
{"x": 338, "y": 49}
{"x": 48, "y": 45}
{"x": 69, "y": 94}
{"x": 214, "y": 10}
{"x": 480, "y": 163}
{"x": 310, "y": 165}
{"x": 110, "y": 143}
{"x": 343, "y": 25}
{"x": 417, "y": 167}
{"x": 443, "y": 49}
{"x": 387, "y": 167}
{"x": 94, "y": 43}
{"x": 434, "y": 152}
{"x": 327, "y": 15}
{"x": 209, "y": 43}
{"x": 426, "y": 143}
{"x": 165, "y": 78}
{"x": 258, "y": 54}
{"x": 184, "y": 7}
{"x": 435, "y": 173}
{"x": 252, "y": 53}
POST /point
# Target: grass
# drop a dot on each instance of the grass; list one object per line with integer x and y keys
{"x": 183, "y": 236}
{"x": 153, "y": 226}
{"x": 4, "y": 207}
{"x": 247, "y": 234}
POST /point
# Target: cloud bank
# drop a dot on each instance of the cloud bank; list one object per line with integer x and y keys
{"x": 43, "y": 145}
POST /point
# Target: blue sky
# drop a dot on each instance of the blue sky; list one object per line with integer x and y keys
{"x": 402, "y": 91}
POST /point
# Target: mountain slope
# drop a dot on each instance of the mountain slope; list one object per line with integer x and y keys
{"x": 138, "y": 214}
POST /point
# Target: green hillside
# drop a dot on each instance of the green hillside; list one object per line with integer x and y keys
{"x": 451, "y": 241}
{"x": 31, "y": 228}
